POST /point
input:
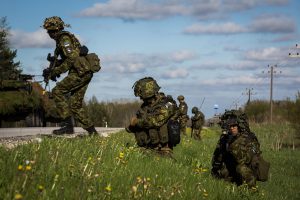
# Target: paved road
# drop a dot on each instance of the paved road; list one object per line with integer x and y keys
{"x": 13, "y": 132}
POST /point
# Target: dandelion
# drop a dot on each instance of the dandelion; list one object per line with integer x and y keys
{"x": 28, "y": 168}
{"x": 121, "y": 155}
{"x": 40, "y": 188}
{"x": 108, "y": 188}
{"x": 134, "y": 189}
{"x": 18, "y": 196}
{"x": 20, "y": 167}
{"x": 139, "y": 179}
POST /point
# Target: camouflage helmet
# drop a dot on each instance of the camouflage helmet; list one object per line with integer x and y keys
{"x": 231, "y": 122}
{"x": 194, "y": 110}
{"x": 145, "y": 87}
{"x": 54, "y": 23}
{"x": 240, "y": 117}
{"x": 180, "y": 98}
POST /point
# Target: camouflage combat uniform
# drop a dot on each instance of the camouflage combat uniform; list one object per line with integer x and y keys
{"x": 182, "y": 114}
{"x": 236, "y": 158}
{"x": 153, "y": 119}
{"x": 68, "y": 94}
{"x": 67, "y": 46}
{"x": 197, "y": 123}
{"x": 233, "y": 156}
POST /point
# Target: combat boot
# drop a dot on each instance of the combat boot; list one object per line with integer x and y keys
{"x": 92, "y": 131}
{"x": 166, "y": 151}
{"x": 67, "y": 127}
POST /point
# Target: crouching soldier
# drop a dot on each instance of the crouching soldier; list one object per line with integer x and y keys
{"x": 155, "y": 125}
{"x": 237, "y": 157}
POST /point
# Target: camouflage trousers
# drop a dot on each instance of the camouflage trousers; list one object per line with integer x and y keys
{"x": 152, "y": 137}
{"x": 243, "y": 175}
{"x": 68, "y": 96}
{"x": 183, "y": 123}
{"x": 196, "y": 134}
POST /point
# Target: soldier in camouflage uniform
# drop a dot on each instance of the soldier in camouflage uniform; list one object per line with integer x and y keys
{"x": 73, "y": 85}
{"x": 197, "y": 123}
{"x": 237, "y": 157}
{"x": 155, "y": 125}
{"x": 182, "y": 114}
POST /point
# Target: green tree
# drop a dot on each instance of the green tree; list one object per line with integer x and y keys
{"x": 8, "y": 68}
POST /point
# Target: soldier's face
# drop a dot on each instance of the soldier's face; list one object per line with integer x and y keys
{"x": 233, "y": 129}
{"x": 52, "y": 33}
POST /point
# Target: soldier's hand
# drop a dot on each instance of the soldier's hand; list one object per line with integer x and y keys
{"x": 54, "y": 76}
{"x": 50, "y": 58}
{"x": 46, "y": 73}
{"x": 133, "y": 121}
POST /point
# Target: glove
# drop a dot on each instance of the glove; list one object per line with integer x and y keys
{"x": 133, "y": 121}
{"x": 54, "y": 76}
{"x": 46, "y": 73}
{"x": 50, "y": 58}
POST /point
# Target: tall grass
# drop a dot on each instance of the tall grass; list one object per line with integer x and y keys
{"x": 115, "y": 168}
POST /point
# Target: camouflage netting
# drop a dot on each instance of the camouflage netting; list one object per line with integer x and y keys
{"x": 13, "y": 102}
{"x": 48, "y": 105}
{"x": 240, "y": 116}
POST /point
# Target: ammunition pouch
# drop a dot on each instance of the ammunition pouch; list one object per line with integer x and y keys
{"x": 260, "y": 167}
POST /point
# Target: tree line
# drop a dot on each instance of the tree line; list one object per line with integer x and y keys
{"x": 112, "y": 114}
{"x": 288, "y": 110}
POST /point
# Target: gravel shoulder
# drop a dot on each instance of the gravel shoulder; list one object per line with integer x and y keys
{"x": 12, "y": 137}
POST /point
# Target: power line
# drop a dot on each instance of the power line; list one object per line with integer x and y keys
{"x": 295, "y": 55}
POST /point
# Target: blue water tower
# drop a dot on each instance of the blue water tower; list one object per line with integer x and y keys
{"x": 216, "y": 107}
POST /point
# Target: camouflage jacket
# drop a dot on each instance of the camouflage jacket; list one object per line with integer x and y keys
{"x": 197, "y": 120}
{"x": 233, "y": 151}
{"x": 243, "y": 147}
{"x": 182, "y": 111}
{"x": 68, "y": 48}
{"x": 157, "y": 113}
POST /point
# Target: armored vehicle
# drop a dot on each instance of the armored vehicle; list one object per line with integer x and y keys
{"x": 23, "y": 101}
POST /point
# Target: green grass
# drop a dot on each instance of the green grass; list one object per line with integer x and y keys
{"x": 114, "y": 168}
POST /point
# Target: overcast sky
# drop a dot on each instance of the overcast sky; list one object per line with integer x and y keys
{"x": 210, "y": 51}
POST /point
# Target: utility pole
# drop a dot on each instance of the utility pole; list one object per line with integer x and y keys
{"x": 295, "y": 55}
{"x": 272, "y": 72}
{"x": 249, "y": 93}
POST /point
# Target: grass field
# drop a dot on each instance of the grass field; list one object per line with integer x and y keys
{"x": 114, "y": 168}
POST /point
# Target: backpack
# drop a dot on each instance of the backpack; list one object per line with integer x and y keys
{"x": 88, "y": 63}
{"x": 94, "y": 62}
{"x": 173, "y": 132}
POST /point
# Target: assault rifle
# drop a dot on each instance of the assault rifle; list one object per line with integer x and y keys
{"x": 47, "y": 71}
